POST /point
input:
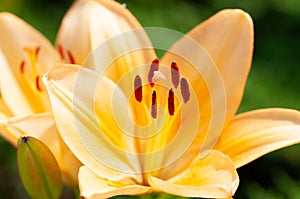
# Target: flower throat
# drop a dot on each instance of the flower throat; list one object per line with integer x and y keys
{"x": 153, "y": 75}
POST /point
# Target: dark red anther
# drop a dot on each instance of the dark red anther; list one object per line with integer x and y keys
{"x": 185, "y": 90}
{"x": 154, "y": 67}
{"x": 154, "y": 105}
{"x": 175, "y": 74}
{"x": 37, "y": 83}
{"x": 22, "y": 67}
{"x": 138, "y": 88}
{"x": 61, "y": 51}
{"x": 37, "y": 51}
{"x": 171, "y": 104}
{"x": 72, "y": 60}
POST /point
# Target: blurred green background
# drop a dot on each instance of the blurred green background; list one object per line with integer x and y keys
{"x": 274, "y": 80}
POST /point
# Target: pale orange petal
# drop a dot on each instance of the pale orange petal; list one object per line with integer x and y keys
{"x": 253, "y": 134}
{"x": 72, "y": 95}
{"x": 89, "y": 23}
{"x": 228, "y": 38}
{"x": 15, "y": 35}
{"x": 93, "y": 187}
{"x": 27, "y": 124}
{"x": 214, "y": 176}
{"x": 4, "y": 110}
{"x": 42, "y": 127}
{"x": 225, "y": 39}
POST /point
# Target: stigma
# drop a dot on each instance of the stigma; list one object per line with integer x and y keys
{"x": 177, "y": 82}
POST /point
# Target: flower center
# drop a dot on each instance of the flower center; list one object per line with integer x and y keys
{"x": 29, "y": 74}
{"x": 30, "y": 79}
{"x": 153, "y": 76}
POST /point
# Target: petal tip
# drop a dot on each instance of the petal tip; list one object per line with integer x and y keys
{"x": 239, "y": 13}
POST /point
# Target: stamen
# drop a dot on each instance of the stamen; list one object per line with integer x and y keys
{"x": 61, "y": 51}
{"x": 22, "y": 67}
{"x": 138, "y": 89}
{"x": 154, "y": 67}
{"x": 171, "y": 105}
{"x": 185, "y": 90}
{"x": 72, "y": 60}
{"x": 154, "y": 105}
{"x": 175, "y": 74}
{"x": 37, "y": 83}
{"x": 37, "y": 50}
{"x": 32, "y": 51}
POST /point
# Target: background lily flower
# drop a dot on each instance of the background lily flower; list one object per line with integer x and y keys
{"x": 118, "y": 163}
{"x": 26, "y": 55}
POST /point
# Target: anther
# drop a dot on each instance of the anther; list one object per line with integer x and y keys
{"x": 154, "y": 105}
{"x": 175, "y": 74}
{"x": 138, "y": 89}
{"x": 22, "y": 67}
{"x": 154, "y": 67}
{"x": 61, "y": 51}
{"x": 37, "y": 83}
{"x": 171, "y": 105}
{"x": 185, "y": 90}
{"x": 37, "y": 50}
{"x": 71, "y": 57}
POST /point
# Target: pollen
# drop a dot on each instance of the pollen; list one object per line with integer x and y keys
{"x": 175, "y": 74}
{"x": 138, "y": 89}
{"x": 142, "y": 93}
{"x": 61, "y": 51}
{"x": 71, "y": 57}
{"x": 30, "y": 75}
{"x": 185, "y": 90}
{"x": 171, "y": 105}
{"x": 22, "y": 67}
{"x": 154, "y": 105}
{"x": 37, "y": 83}
{"x": 37, "y": 50}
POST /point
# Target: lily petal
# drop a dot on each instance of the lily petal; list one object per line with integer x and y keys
{"x": 94, "y": 22}
{"x": 42, "y": 127}
{"x": 4, "y": 110}
{"x": 22, "y": 125}
{"x": 72, "y": 104}
{"x": 253, "y": 134}
{"x": 228, "y": 38}
{"x": 214, "y": 176}
{"x": 16, "y": 35}
{"x": 93, "y": 187}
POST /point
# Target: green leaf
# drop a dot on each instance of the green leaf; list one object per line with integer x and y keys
{"x": 38, "y": 169}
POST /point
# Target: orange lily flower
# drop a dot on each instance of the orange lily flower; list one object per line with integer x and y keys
{"x": 26, "y": 55}
{"x": 139, "y": 125}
